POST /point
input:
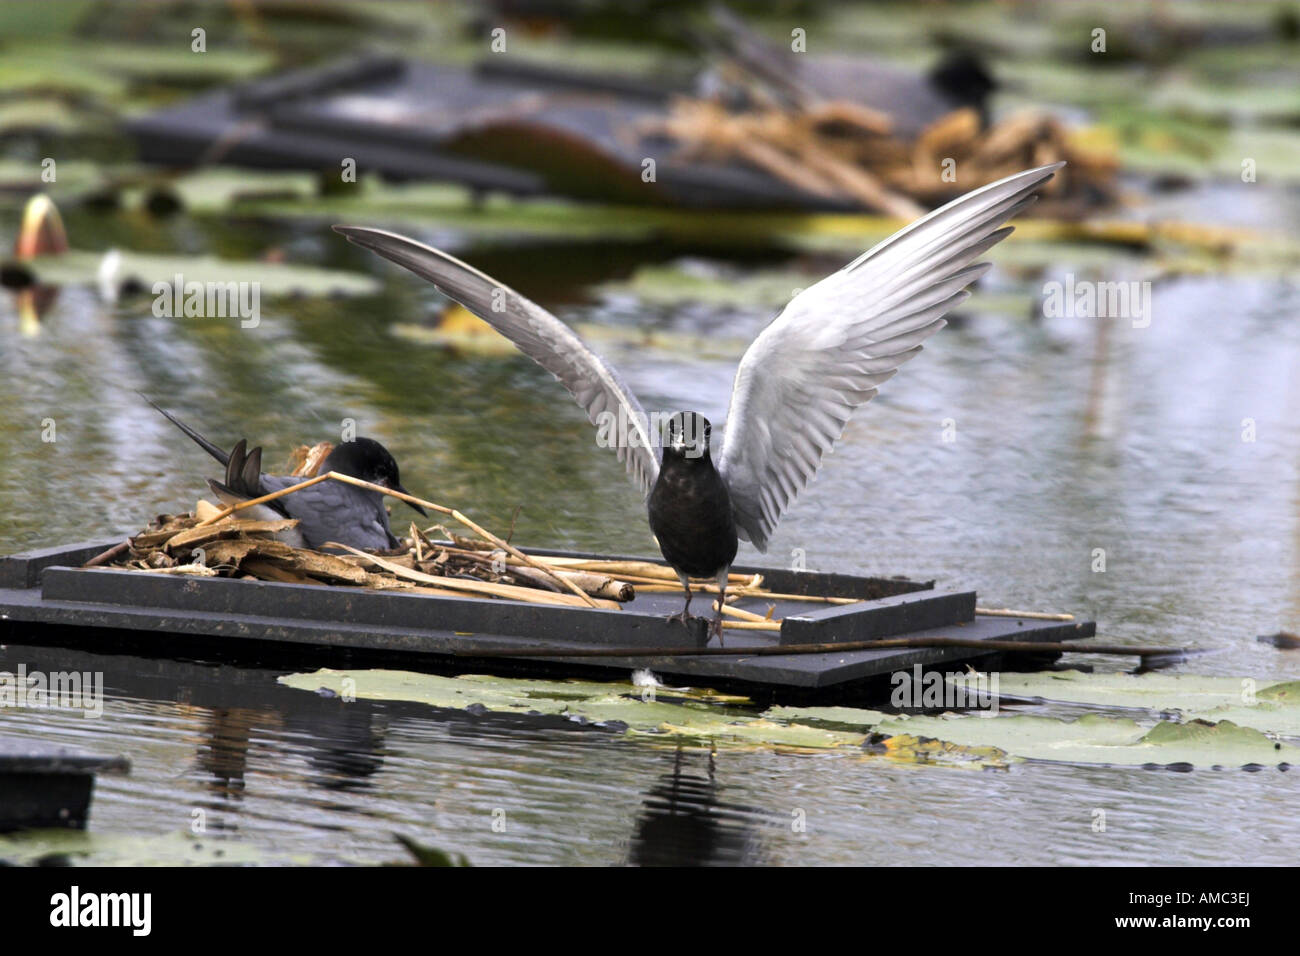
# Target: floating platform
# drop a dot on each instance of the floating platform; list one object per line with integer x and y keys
{"x": 498, "y": 126}
{"x": 42, "y": 785}
{"x": 47, "y": 598}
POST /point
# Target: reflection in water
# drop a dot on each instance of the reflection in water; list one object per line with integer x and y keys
{"x": 299, "y": 777}
{"x": 223, "y": 749}
{"x": 344, "y": 745}
{"x": 684, "y": 822}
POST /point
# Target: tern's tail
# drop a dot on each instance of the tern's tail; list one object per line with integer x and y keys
{"x": 199, "y": 440}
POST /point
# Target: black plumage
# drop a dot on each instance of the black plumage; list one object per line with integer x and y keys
{"x": 326, "y": 512}
{"x": 690, "y": 510}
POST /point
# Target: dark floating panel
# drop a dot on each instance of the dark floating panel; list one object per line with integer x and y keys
{"x": 42, "y": 785}
{"x": 526, "y": 130}
{"x": 46, "y": 598}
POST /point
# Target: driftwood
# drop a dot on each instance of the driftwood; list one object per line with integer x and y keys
{"x": 597, "y": 585}
{"x": 410, "y": 499}
{"x": 515, "y": 592}
{"x": 305, "y": 462}
{"x": 636, "y": 570}
{"x": 837, "y": 149}
{"x": 216, "y": 542}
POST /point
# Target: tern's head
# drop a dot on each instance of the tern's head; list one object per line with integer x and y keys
{"x": 368, "y": 460}
{"x": 687, "y": 436}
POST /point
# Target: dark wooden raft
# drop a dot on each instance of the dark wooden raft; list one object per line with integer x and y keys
{"x": 43, "y": 785}
{"x": 495, "y": 127}
{"x": 45, "y": 594}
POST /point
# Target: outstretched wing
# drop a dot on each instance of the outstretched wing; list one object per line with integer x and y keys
{"x": 836, "y": 341}
{"x": 539, "y": 335}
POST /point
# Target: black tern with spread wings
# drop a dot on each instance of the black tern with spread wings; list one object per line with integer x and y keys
{"x": 329, "y": 511}
{"x": 800, "y": 380}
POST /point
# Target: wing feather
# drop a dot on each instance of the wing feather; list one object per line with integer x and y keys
{"x": 836, "y": 342}
{"x": 595, "y": 385}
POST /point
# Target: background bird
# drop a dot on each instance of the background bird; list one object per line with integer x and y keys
{"x": 329, "y": 511}
{"x": 824, "y": 355}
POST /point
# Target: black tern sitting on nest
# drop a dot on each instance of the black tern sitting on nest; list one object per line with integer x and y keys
{"x": 329, "y": 511}
{"x": 798, "y": 383}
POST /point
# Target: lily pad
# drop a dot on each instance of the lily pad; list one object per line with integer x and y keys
{"x": 1090, "y": 739}
{"x": 1272, "y": 707}
{"x": 675, "y": 284}
{"x": 223, "y": 188}
{"x": 1152, "y": 691}
{"x": 107, "y": 70}
{"x": 73, "y": 847}
{"x": 720, "y": 721}
{"x": 711, "y": 718}
{"x": 760, "y": 732}
{"x": 77, "y": 267}
{"x": 625, "y": 704}
{"x": 1115, "y": 741}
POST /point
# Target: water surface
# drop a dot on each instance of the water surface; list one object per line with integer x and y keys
{"x": 1068, "y": 439}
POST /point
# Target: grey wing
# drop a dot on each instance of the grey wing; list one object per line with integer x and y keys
{"x": 835, "y": 342}
{"x": 333, "y": 511}
{"x": 596, "y": 386}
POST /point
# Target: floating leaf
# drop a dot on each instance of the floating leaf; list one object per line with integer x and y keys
{"x": 1152, "y": 691}
{"x": 64, "y": 847}
{"x": 77, "y": 267}
{"x": 677, "y": 283}
{"x": 221, "y": 189}
{"x": 914, "y": 749}
{"x": 1265, "y": 706}
{"x": 675, "y": 712}
{"x": 1090, "y": 739}
{"x": 581, "y": 700}
{"x": 948, "y": 739}
{"x": 671, "y": 714}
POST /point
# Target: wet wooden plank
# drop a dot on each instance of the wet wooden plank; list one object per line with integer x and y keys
{"x": 478, "y": 127}
{"x": 23, "y": 570}
{"x": 380, "y": 610}
{"x": 44, "y": 785}
{"x": 885, "y": 617}
{"x": 164, "y": 610}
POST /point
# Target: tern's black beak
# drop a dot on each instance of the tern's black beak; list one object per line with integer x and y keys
{"x": 399, "y": 488}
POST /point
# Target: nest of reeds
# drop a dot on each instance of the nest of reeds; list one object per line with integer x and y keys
{"x": 235, "y": 547}
{"x": 843, "y": 151}
{"x": 218, "y": 542}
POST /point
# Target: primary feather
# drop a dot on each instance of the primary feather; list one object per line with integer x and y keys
{"x": 537, "y": 333}
{"x": 827, "y": 352}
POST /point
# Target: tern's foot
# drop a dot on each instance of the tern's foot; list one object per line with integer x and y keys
{"x": 682, "y": 617}
{"x": 715, "y": 630}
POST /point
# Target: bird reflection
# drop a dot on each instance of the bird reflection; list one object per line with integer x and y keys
{"x": 684, "y": 823}
{"x": 223, "y": 752}
{"x": 345, "y": 745}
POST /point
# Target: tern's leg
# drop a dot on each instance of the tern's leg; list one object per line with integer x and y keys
{"x": 685, "y": 616}
{"x": 715, "y": 626}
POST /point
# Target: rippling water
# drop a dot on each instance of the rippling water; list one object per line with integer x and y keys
{"x": 1066, "y": 440}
